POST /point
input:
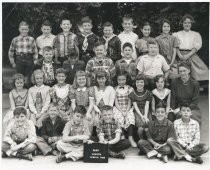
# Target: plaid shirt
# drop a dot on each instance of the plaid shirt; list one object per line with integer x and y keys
{"x": 108, "y": 130}
{"x": 22, "y": 45}
{"x": 94, "y": 65}
{"x": 64, "y": 44}
{"x": 187, "y": 133}
{"x": 122, "y": 95}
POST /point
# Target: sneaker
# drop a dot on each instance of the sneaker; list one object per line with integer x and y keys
{"x": 60, "y": 158}
{"x": 26, "y": 156}
{"x": 175, "y": 158}
{"x": 118, "y": 155}
{"x": 55, "y": 153}
{"x": 164, "y": 158}
{"x": 197, "y": 160}
{"x": 152, "y": 153}
{"x": 140, "y": 153}
{"x": 4, "y": 155}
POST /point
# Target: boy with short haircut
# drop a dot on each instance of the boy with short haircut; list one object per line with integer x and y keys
{"x": 72, "y": 65}
{"x": 51, "y": 131}
{"x": 100, "y": 62}
{"x": 109, "y": 132}
{"x": 46, "y": 39}
{"x": 86, "y": 40}
{"x": 111, "y": 41}
{"x": 158, "y": 132}
{"x": 153, "y": 64}
{"x": 47, "y": 65}
{"x": 128, "y": 35}
{"x": 75, "y": 133}
{"x": 187, "y": 145}
{"x": 65, "y": 42}
{"x": 20, "y": 136}
{"x": 23, "y": 47}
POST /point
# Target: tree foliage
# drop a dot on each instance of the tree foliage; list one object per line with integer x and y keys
{"x": 36, "y": 13}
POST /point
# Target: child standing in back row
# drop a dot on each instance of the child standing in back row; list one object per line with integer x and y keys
{"x": 23, "y": 47}
{"x": 86, "y": 40}
{"x": 128, "y": 35}
{"x": 46, "y": 39}
{"x": 65, "y": 42}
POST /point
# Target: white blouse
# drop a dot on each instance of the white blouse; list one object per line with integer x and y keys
{"x": 188, "y": 40}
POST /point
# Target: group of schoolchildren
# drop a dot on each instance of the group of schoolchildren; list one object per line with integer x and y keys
{"x": 91, "y": 89}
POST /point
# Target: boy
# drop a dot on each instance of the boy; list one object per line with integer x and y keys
{"x": 158, "y": 132}
{"x": 65, "y": 42}
{"x": 127, "y": 64}
{"x": 51, "y": 131}
{"x": 187, "y": 145}
{"x": 153, "y": 64}
{"x": 25, "y": 51}
{"x": 128, "y": 35}
{"x": 100, "y": 62}
{"x": 46, "y": 39}
{"x": 20, "y": 136}
{"x": 86, "y": 40}
{"x": 109, "y": 132}
{"x": 111, "y": 41}
{"x": 75, "y": 133}
{"x": 47, "y": 65}
{"x": 72, "y": 65}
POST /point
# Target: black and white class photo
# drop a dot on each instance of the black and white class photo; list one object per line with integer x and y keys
{"x": 97, "y": 85}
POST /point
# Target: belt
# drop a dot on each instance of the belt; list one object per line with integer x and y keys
{"x": 183, "y": 50}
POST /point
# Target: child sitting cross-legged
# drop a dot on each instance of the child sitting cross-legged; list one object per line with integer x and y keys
{"x": 20, "y": 136}
{"x": 187, "y": 145}
{"x": 109, "y": 132}
{"x": 51, "y": 132}
{"x": 158, "y": 132}
{"x": 75, "y": 133}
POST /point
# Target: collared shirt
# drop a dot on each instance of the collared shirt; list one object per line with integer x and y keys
{"x": 130, "y": 37}
{"x": 128, "y": 66}
{"x": 160, "y": 132}
{"x": 64, "y": 44}
{"x": 167, "y": 43}
{"x": 72, "y": 129}
{"x": 152, "y": 66}
{"x": 108, "y": 130}
{"x": 43, "y": 41}
{"x": 22, "y": 45}
{"x": 19, "y": 134}
{"x": 50, "y": 130}
{"x": 94, "y": 65}
{"x": 187, "y": 133}
{"x": 188, "y": 40}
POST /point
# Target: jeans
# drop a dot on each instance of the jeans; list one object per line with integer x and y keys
{"x": 120, "y": 146}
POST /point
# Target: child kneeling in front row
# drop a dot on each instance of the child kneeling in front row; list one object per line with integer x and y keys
{"x": 75, "y": 133}
{"x": 51, "y": 132}
{"x": 109, "y": 132}
{"x": 158, "y": 132}
{"x": 20, "y": 136}
{"x": 187, "y": 145}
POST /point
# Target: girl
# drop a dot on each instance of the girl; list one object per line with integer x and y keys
{"x": 60, "y": 94}
{"x": 39, "y": 99}
{"x": 82, "y": 94}
{"x": 127, "y": 64}
{"x": 141, "y": 44}
{"x": 104, "y": 94}
{"x": 17, "y": 97}
{"x": 189, "y": 43}
{"x": 161, "y": 94}
{"x": 167, "y": 48}
{"x": 123, "y": 110}
{"x": 141, "y": 99}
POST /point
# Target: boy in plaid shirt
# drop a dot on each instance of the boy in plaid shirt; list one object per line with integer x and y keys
{"x": 109, "y": 132}
{"x": 65, "y": 42}
{"x": 23, "y": 47}
{"x": 187, "y": 145}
